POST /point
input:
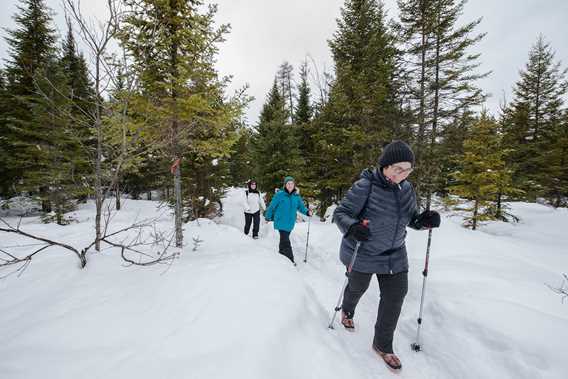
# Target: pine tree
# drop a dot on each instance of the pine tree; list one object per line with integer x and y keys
{"x": 556, "y": 161}
{"x": 451, "y": 147}
{"x": 364, "y": 55}
{"x": 80, "y": 86}
{"x": 4, "y": 152}
{"x": 31, "y": 49}
{"x": 484, "y": 174}
{"x": 61, "y": 160}
{"x": 442, "y": 75}
{"x": 241, "y": 163}
{"x": 361, "y": 112}
{"x": 275, "y": 144}
{"x": 304, "y": 109}
{"x": 285, "y": 77}
{"x": 303, "y": 118}
{"x": 532, "y": 122}
{"x": 174, "y": 47}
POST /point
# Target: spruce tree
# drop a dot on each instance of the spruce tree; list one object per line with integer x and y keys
{"x": 174, "y": 46}
{"x": 303, "y": 111}
{"x": 31, "y": 48}
{"x": 532, "y": 123}
{"x": 484, "y": 174}
{"x": 556, "y": 165}
{"x": 360, "y": 114}
{"x": 364, "y": 55}
{"x": 241, "y": 164}
{"x": 442, "y": 72}
{"x": 4, "y": 148}
{"x": 80, "y": 86}
{"x": 275, "y": 144}
{"x": 285, "y": 78}
{"x": 303, "y": 119}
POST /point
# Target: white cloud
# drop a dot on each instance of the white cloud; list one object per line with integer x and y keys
{"x": 267, "y": 32}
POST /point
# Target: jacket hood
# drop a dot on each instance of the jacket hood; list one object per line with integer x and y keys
{"x": 376, "y": 176}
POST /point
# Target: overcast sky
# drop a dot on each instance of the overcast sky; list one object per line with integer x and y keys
{"x": 267, "y": 32}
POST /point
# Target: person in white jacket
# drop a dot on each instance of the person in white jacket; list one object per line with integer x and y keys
{"x": 253, "y": 204}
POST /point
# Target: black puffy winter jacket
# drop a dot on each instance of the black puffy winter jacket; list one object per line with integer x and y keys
{"x": 390, "y": 208}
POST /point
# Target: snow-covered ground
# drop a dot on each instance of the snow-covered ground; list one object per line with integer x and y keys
{"x": 236, "y": 309}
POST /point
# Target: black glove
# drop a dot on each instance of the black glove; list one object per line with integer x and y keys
{"x": 359, "y": 232}
{"x": 428, "y": 220}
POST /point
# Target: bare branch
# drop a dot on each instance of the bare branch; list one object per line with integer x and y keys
{"x": 48, "y": 243}
{"x": 562, "y": 290}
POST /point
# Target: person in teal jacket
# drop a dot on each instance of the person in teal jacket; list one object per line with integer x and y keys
{"x": 282, "y": 210}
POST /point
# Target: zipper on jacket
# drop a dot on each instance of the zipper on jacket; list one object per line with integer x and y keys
{"x": 397, "y": 199}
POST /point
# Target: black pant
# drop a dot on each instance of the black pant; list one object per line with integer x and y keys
{"x": 249, "y": 217}
{"x": 285, "y": 247}
{"x": 393, "y": 289}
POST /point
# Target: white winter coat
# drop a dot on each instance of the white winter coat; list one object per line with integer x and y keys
{"x": 253, "y": 202}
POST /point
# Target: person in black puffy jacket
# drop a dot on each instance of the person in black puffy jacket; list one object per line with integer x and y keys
{"x": 384, "y": 198}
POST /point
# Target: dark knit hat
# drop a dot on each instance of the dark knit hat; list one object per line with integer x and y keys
{"x": 394, "y": 152}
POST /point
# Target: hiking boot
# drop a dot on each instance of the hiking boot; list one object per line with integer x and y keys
{"x": 347, "y": 321}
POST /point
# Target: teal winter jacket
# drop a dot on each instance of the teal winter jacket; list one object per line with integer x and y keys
{"x": 283, "y": 208}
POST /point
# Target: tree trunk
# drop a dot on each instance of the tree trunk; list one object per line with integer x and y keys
{"x": 178, "y": 207}
{"x": 498, "y": 213}
{"x": 98, "y": 171}
{"x": 117, "y": 194}
{"x": 173, "y": 51}
{"x": 475, "y": 210}
{"x": 421, "y": 113}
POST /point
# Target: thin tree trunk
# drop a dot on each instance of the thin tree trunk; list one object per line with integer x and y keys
{"x": 98, "y": 170}
{"x": 421, "y": 112}
{"x": 174, "y": 143}
{"x": 117, "y": 194}
{"x": 498, "y": 213}
{"x": 430, "y": 164}
{"x": 475, "y": 210}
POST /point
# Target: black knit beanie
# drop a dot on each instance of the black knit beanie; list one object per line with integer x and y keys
{"x": 394, "y": 152}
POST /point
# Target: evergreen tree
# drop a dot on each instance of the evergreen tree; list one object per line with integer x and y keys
{"x": 304, "y": 109}
{"x": 442, "y": 73}
{"x": 364, "y": 55}
{"x": 60, "y": 157}
{"x": 303, "y": 118}
{"x": 241, "y": 164}
{"x": 285, "y": 77}
{"x": 174, "y": 47}
{"x": 81, "y": 90}
{"x": 275, "y": 144}
{"x": 361, "y": 112}
{"x": 31, "y": 48}
{"x": 556, "y": 161}
{"x": 451, "y": 148}
{"x": 532, "y": 123}
{"x": 484, "y": 174}
{"x": 4, "y": 152}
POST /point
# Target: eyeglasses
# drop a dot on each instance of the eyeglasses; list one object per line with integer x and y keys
{"x": 399, "y": 170}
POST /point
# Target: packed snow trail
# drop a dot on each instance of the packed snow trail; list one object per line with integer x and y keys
{"x": 487, "y": 311}
{"x": 237, "y": 309}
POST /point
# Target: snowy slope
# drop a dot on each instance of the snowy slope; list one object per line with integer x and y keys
{"x": 236, "y": 309}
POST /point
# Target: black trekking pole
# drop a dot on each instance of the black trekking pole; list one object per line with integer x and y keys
{"x": 349, "y": 269}
{"x": 307, "y": 240}
{"x": 416, "y": 345}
